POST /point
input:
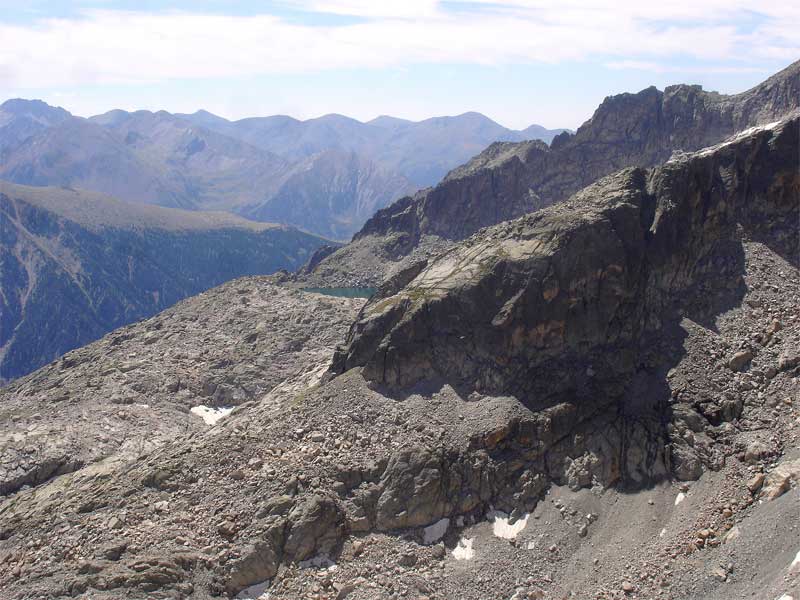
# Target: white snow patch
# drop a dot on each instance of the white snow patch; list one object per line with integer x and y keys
{"x": 502, "y": 526}
{"x": 738, "y": 136}
{"x": 786, "y": 597}
{"x": 464, "y": 551}
{"x": 211, "y": 414}
{"x": 663, "y": 532}
{"x": 320, "y": 561}
{"x": 795, "y": 562}
{"x": 433, "y": 533}
{"x": 680, "y": 498}
{"x": 257, "y": 591}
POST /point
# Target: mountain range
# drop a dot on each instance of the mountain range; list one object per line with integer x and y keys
{"x": 61, "y": 242}
{"x": 325, "y": 175}
{"x": 422, "y": 151}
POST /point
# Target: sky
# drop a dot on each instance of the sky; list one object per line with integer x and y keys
{"x": 519, "y": 62}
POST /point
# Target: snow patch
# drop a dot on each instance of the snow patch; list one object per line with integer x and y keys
{"x": 433, "y": 533}
{"x": 663, "y": 532}
{"x": 680, "y": 498}
{"x": 211, "y": 414}
{"x": 502, "y": 526}
{"x": 737, "y": 137}
{"x": 257, "y": 591}
{"x": 786, "y": 597}
{"x": 464, "y": 551}
{"x": 320, "y": 561}
{"x": 795, "y": 562}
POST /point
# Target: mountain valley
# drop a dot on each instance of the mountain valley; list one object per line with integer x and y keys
{"x": 76, "y": 265}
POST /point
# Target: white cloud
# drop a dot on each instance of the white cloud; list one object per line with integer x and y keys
{"x": 103, "y": 47}
{"x": 403, "y": 9}
{"x": 654, "y": 67}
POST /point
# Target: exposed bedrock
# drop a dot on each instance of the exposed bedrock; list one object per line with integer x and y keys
{"x": 581, "y": 302}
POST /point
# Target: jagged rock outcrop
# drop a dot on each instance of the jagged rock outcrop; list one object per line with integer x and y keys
{"x": 527, "y": 307}
{"x": 465, "y": 202}
{"x": 506, "y": 180}
{"x": 573, "y": 304}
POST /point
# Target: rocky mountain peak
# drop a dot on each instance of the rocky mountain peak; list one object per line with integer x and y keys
{"x": 505, "y": 181}
{"x": 35, "y": 109}
{"x": 526, "y": 307}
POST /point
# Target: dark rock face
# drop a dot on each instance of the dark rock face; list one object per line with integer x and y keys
{"x": 67, "y": 281}
{"x": 562, "y": 302}
{"x": 496, "y": 190}
{"x": 319, "y": 255}
{"x": 508, "y": 179}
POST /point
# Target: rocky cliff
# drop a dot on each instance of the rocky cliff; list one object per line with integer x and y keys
{"x": 508, "y": 180}
{"x": 76, "y": 265}
{"x": 528, "y": 306}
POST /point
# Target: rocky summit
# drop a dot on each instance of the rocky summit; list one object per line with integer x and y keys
{"x": 508, "y": 180}
{"x": 597, "y": 400}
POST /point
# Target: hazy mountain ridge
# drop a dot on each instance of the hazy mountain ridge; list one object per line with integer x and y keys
{"x": 423, "y": 151}
{"x": 223, "y": 173}
{"x": 251, "y": 166}
{"x": 76, "y": 265}
{"x": 353, "y": 189}
{"x": 20, "y": 119}
{"x": 85, "y": 155}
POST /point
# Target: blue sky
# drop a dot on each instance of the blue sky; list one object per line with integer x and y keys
{"x": 518, "y": 61}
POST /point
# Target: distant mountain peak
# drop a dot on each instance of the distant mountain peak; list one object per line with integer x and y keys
{"x": 336, "y": 118}
{"x": 204, "y": 118}
{"x": 389, "y": 122}
{"x": 37, "y": 109}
